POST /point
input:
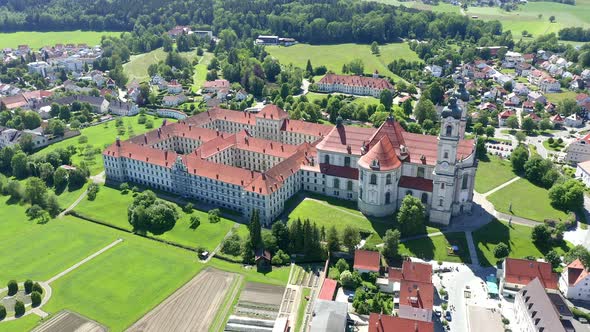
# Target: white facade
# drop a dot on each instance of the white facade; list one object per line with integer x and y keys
{"x": 578, "y": 151}
{"x": 583, "y": 172}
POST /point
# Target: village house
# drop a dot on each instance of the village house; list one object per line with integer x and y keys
{"x": 267, "y": 40}
{"x": 413, "y": 289}
{"x": 574, "y": 120}
{"x": 354, "y": 85}
{"x": 366, "y": 261}
{"x": 174, "y": 87}
{"x": 215, "y": 86}
{"x": 433, "y": 70}
{"x": 174, "y": 100}
{"x": 549, "y": 84}
{"x": 503, "y": 117}
{"x": 520, "y": 89}
{"x": 517, "y": 273}
{"x": 123, "y": 109}
{"x": 386, "y": 323}
{"x": 39, "y": 67}
{"x": 536, "y": 97}
{"x": 575, "y": 277}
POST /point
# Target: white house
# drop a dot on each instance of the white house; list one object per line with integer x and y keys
{"x": 174, "y": 100}
{"x": 574, "y": 279}
{"x": 578, "y": 150}
{"x": 583, "y": 173}
{"x": 574, "y": 120}
{"x": 434, "y": 70}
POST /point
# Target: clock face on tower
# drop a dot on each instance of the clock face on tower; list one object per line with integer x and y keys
{"x": 444, "y": 165}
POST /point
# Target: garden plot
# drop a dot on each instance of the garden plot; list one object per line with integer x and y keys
{"x": 67, "y": 321}
{"x": 258, "y": 307}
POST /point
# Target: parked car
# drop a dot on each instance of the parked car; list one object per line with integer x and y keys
{"x": 437, "y": 312}
{"x": 350, "y": 298}
{"x": 448, "y": 316}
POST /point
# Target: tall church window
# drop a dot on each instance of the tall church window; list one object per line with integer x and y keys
{"x": 336, "y": 183}
{"x": 442, "y": 186}
{"x": 387, "y": 197}
{"x": 446, "y": 156}
{"x": 440, "y": 202}
{"x": 424, "y": 198}
{"x": 347, "y": 161}
{"x": 465, "y": 181}
{"x": 388, "y": 179}
{"x": 449, "y": 130}
{"x": 420, "y": 172}
{"x": 373, "y": 179}
{"x": 327, "y": 159}
{"x": 349, "y": 185}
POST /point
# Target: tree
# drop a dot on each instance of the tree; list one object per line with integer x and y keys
{"x": 37, "y": 288}
{"x": 232, "y": 245}
{"x": 351, "y": 238}
{"x": 545, "y": 124}
{"x": 309, "y": 68}
{"x": 28, "y": 286}
{"x": 356, "y": 66}
{"x": 528, "y": 125}
{"x": 281, "y": 233}
{"x": 12, "y": 287}
{"x": 536, "y": 170}
{"x": 520, "y": 137}
{"x": 386, "y": 98}
{"x": 124, "y": 187}
{"x": 391, "y": 244}
{"x": 375, "y": 48}
{"x": 411, "y": 216}
{"x": 552, "y": 18}
{"x": 567, "y": 196}
{"x": 425, "y": 110}
{"x": 35, "y": 191}
{"x": 501, "y": 250}
{"x": 519, "y": 157}
{"x": 568, "y": 107}
{"x": 541, "y": 236}
{"x": 19, "y": 308}
{"x": 512, "y": 122}
{"x": 56, "y": 127}
{"x": 578, "y": 252}
{"x": 26, "y": 143}
{"x": 76, "y": 178}
{"x": 60, "y": 179}
{"x": 2, "y": 312}
{"x": 92, "y": 191}
{"x": 333, "y": 240}
{"x": 35, "y": 299}
{"x": 213, "y": 215}
{"x": 255, "y": 230}
{"x": 341, "y": 265}
{"x": 490, "y": 131}
{"x": 19, "y": 165}
{"x": 553, "y": 258}
{"x": 148, "y": 213}
{"x": 478, "y": 129}
{"x": 350, "y": 280}
{"x": 194, "y": 222}
{"x": 480, "y": 149}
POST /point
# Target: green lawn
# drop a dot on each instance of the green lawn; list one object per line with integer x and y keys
{"x": 200, "y": 72}
{"x": 37, "y": 40}
{"x": 41, "y": 251}
{"x": 559, "y": 96}
{"x": 528, "y": 201}
{"x": 26, "y": 323}
{"x": 492, "y": 173}
{"x": 555, "y": 147}
{"x": 517, "y": 237}
{"x": 334, "y": 56}
{"x": 110, "y": 206}
{"x": 435, "y": 248}
{"x": 278, "y": 275}
{"x": 136, "y": 68}
{"x": 301, "y": 310}
{"x": 100, "y": 137}
{"x": 313, "y": 96}
{"x": 125, "y": 282}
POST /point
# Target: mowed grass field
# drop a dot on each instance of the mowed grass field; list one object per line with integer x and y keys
{"x": 436, "y": 248}
{"x": 516, "y": 237}
{"x": 41, "y": 251}
{"x": 492, "y": 173}
{"x": 334, "y": 56}
{"x": 101, "y": 136}
{"x": 26, "y": 323}
{"x": 137, "y": 67}
{"x": 440, "y": 8}
{"x": 528, "y": 201}
{"x": 125, "y": 282}
{"x": 110, "y": 206}
{"x": 37, "y": 39}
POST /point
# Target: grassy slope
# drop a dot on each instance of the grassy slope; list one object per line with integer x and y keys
{"x": 101, "y": 136}
{"x": 528, "y": 201}
{"x": 136, "y": 68}
{"x": 125, "y": 282}
{"x": 110, "y": 206}
{"x": 518, "y": 239}
{"x": 39, "y": 39}
{"x": 334, "y": 56}
{"x": 557, "y": 97}
{"x": 435, "y": 248}
{"x": 41, "y": 251}
{"x": 492, "y": 173}
{"x": 200, "y": 72}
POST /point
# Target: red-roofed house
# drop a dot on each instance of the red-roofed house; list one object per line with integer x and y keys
{"x": 366, "y": 261}
{"x": 574, "y": 281}
{"x": 503, "y": 117}
{"x": 385, "y": 323}
{"x": 215, "y": 86}
{"x": 517, "y": 273}
{"x": 328, "y": 290}
{"x": 414, "y": 290}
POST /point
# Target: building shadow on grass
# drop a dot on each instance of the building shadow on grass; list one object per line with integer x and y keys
{"x": 489, "y": 236}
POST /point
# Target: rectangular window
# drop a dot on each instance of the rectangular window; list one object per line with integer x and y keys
{"x": 420, "y": 172}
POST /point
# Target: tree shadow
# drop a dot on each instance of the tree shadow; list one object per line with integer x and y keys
{"x": 489, "y": 236}
{"x": 422, "y": 248}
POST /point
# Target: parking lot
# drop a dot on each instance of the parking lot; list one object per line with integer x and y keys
{"x": 502, "y": 149}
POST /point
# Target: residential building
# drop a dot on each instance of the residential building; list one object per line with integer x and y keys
{"x": 549, "y": 84}
{"x": 578, "y": 150}
{"x": 245, "y": 161}
{"x": 267, "y": 40}
{"x": 328, "y": 316}
{"x": 328, "y": 290}
{"x": 536, "y": 97}
{"x": 517, "y": 273}
{"x": 503, "y": 117}
{"x": 385, "y": 323}
{"x": 574, "y": 120}
{"x": 535, "y": 311}
{"x": 583, "y": 172}
{"x": 174, "y": 87}
{"x": 174, "y": 100}
{"x": 557, "y": 120}
{"x": 39, "y": 67}
{"x": 354, "y": 85}
{"x": 413, "y": 290}
{"x": 123, "y": 108}
{"x": 575, "y": 277}
{"x": 434, "y": 70}
{"x": 366, "y": 261}
{"x": 214, "y": 86}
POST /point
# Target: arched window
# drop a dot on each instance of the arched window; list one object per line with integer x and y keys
{"x": 388, "y": 179}
{"x": 349, "y": 185}
{"x": 347, "y": 161}
{"x": 449, "y": 130}
{"x": 424, "y": 198}
{"x": 409, "y": 192}
{"x": 373, "y": 179}
{"x": 440, "y": 202}
{"x": 337, "y": 183}
{"x": 327, "y": 159}
{"x": 465, "y": 181}
{"x": 387, "y": 197}
{"x": 420, "y": 172}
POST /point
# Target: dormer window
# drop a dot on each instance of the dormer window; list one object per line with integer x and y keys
{"x": 375, "y": 164}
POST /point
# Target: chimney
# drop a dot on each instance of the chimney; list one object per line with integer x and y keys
{"x": 118, "y": 141}
{"x": 166, "y": 155}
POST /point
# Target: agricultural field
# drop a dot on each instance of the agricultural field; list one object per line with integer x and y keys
{"x": 334, "y": 56}
{"x": 527, "y": 201}
{"x": 192, "y": 307}
{"x": 110, "y": 206}
{"x": 517, "y": 237}
{"x": 136, "y": 68}
{"x": 37, "y": 39}
{"x": 257, "y": 301}
{"x": 437, "y": 248}
{"x": 67, "y": 320}
{"x": 99, "y": 137}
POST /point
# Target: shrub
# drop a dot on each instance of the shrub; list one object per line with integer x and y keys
{"x": 214, "y": 216}
{"x": 444, "y": 306}
{"x": 550, "y": 140}
{"x": 501, "y": 250}
{"x": 37, "y": 288}
{"x": 560, "y": 140}
{"x": 28, "y": 286}
{"x": 195, "y": 222}
{"x": 124, "y": 187}
{"x": 92, "y": 191}
{"x": 188, "y": 208}
{"x": 2, "y": 312}
{"x": 12, "y": 287}
{"x": 35, "y": 299}
{"x": 19, "y": 308}
{"x": 232, "y": 246}
{"x": 350, "y": 280}
{"x": 342, "y": 265}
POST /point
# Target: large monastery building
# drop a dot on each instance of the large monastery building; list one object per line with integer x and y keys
{"x": 244, "y": 161}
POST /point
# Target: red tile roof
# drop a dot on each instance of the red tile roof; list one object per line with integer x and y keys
{"x": 385, "y": 323}
{"x": 272, "y": 112}
{"x": 340, "y": 171}
{"x": 411, "y": 182}
{"x": 307, "y": 128}
{"x": 384, "y": 153}
{"x": 416, "y": 294}
{"x": 328, "y": 290}
{"x": 507, "y": 114}
{"x": 523, "y": 271}
{"x": 217, "y": 84}
{"x": 576, "y": 272}
{"x": 375, "y": 83}
{"x": 367, "y": 260}
{"x": 345, "y": 139}
{"x": 416, "y": 271}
